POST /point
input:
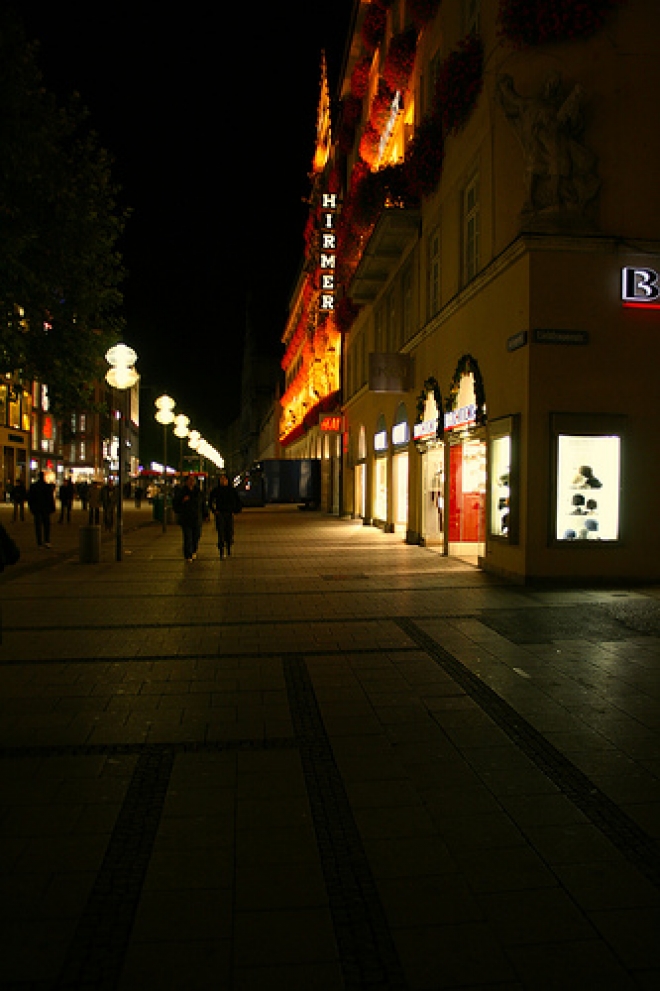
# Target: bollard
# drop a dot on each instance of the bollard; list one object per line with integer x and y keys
{"x": 90, "y": 544}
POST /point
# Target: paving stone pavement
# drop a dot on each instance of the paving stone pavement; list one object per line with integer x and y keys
{"x": 332, "y": 762}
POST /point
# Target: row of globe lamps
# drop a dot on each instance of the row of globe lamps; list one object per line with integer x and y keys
{"x": 121, "y": 376}
{"x": 165, "y": 415}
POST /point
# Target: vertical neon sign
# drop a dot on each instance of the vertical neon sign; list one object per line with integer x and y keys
{"x": 328, "y": 251}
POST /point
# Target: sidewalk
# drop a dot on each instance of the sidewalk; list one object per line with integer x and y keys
{"x": 332, "y": 762}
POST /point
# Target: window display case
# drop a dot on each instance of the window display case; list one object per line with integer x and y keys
{"x": 588, "y": 488}
{"x": 500, "y": 490}
{"x": 503, "y": 479}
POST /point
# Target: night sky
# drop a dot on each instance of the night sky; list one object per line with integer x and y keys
{"x": 210, "y": 116}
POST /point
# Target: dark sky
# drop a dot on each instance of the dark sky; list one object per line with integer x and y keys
{"x": 209, "y": 111}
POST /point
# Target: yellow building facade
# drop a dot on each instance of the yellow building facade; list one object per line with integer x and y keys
{"x": 497, "y": 283}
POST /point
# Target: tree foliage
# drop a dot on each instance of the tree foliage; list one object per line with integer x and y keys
{"x": 60, "y": 270}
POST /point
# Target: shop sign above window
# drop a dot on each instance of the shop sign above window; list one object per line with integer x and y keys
{"x": 640, "y": 287}
{"x": 380, "y": 441}
{"x": 464, "y": 413}
{"x": 428, "y": 426}
{"x": 400, "y": 434}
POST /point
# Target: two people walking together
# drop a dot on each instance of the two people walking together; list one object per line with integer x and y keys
{"x": 190, "y": 506}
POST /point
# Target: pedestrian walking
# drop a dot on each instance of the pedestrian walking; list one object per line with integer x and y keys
{"x": 67, "y": 492}
{"x": 18, "y": 498}
{"x": 93, "y": 500}
{"x": 224, "y": 503}
{"x": 83, "y": 493}
{"x": 109, "y": 496}
{"x": 41, "y": 503}
{"x": 188, "y": 504}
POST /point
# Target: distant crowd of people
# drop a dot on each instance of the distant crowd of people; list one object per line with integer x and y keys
{"x": 190, "y": 502}
{"x": 98, "y": 500}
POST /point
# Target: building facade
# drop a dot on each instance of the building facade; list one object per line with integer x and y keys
{"x": 496, "y": 282}
{"x": 310, "y": 405}
{"x": 15, "y": 431}
{"x": 83, "y": 446}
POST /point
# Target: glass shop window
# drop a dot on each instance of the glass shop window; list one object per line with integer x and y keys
{"x": 588, "y": 488}
{"x": 500, "y": 486}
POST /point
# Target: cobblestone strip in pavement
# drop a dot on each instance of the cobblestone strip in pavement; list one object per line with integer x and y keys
{"x": 635, "y": 844}
{"x": 96, "y": 954}
{"x": 367, "y": 953}
{"x": 95, "y": 957}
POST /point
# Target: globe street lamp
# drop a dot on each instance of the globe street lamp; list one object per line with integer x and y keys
{"x": 181, "y": 422}
{"x": 121, "y": 376}
{"x": 165, "y": 415}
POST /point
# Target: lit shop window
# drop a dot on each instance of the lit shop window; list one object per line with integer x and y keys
{"x": 588, "y": 482}
{"x": 503, "y": 478}
{"x": 500, "y": 491}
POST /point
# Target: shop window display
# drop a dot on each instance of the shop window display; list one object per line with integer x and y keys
{"x": 500, "y": 488}
{"x": 588, "y": 480}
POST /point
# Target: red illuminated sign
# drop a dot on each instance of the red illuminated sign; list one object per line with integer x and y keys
{"x": 331, "y": 424}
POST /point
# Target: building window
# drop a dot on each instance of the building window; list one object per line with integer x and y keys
{"x": 428, "y": 92}
{"x": 15, "y": 408}
{"x": 472, "y": 12}
{"x": 83, "y": 422}
{"x": 379, "y": 328}
{"x": 407, "y": 304}
{"x": 393, "y": 331}
{"x": 434, "y": 272}
{"x": 471, "y": 235}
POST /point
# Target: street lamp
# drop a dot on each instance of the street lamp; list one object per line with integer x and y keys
{"x": 165, "y": 415}
{"x": 181, "y": 422}
{"x": 121, "y": 376}
{"x": 194, "y": 440}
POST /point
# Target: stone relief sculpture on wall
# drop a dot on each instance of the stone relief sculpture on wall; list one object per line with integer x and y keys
{"x": 560, "y": 171}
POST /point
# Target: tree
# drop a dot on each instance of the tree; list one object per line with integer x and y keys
{"x": 60, "y": 270}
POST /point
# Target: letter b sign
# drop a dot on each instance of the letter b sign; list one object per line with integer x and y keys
{"x": 639, "y": 285}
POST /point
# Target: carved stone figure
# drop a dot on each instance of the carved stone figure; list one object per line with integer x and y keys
{"x": 560, "y": 172}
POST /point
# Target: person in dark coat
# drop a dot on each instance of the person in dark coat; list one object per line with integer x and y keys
{"x": 67, "y": 492}
{"x": 18, "y": 497}
{"x": 224, "y": 503}
{"x": 188, "y": 504}
{"x": 41, "y": 502}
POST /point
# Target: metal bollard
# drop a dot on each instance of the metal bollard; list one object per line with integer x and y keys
{"x": 90, "y": 544}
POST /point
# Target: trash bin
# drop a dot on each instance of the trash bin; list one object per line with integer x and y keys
{"x": 157, "y": 509}
{"x": 90, "y": 544}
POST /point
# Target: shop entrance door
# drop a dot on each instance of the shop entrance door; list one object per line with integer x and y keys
{"x": 360, "y": 491}
{"x": 467, "y": 499}
{"x": 433, "y": 496}
{"x": 400, "y": 487}
{"x": 380, "y": 490}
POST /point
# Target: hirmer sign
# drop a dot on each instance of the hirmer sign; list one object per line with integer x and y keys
{"x": 328, "y": 254}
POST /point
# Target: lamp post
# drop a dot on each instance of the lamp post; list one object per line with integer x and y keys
{"x": 194, "y": 438}
{"x": 121, "y": 376}
{"x": 165, "y": 415}
{"x": 181, "y": 422}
